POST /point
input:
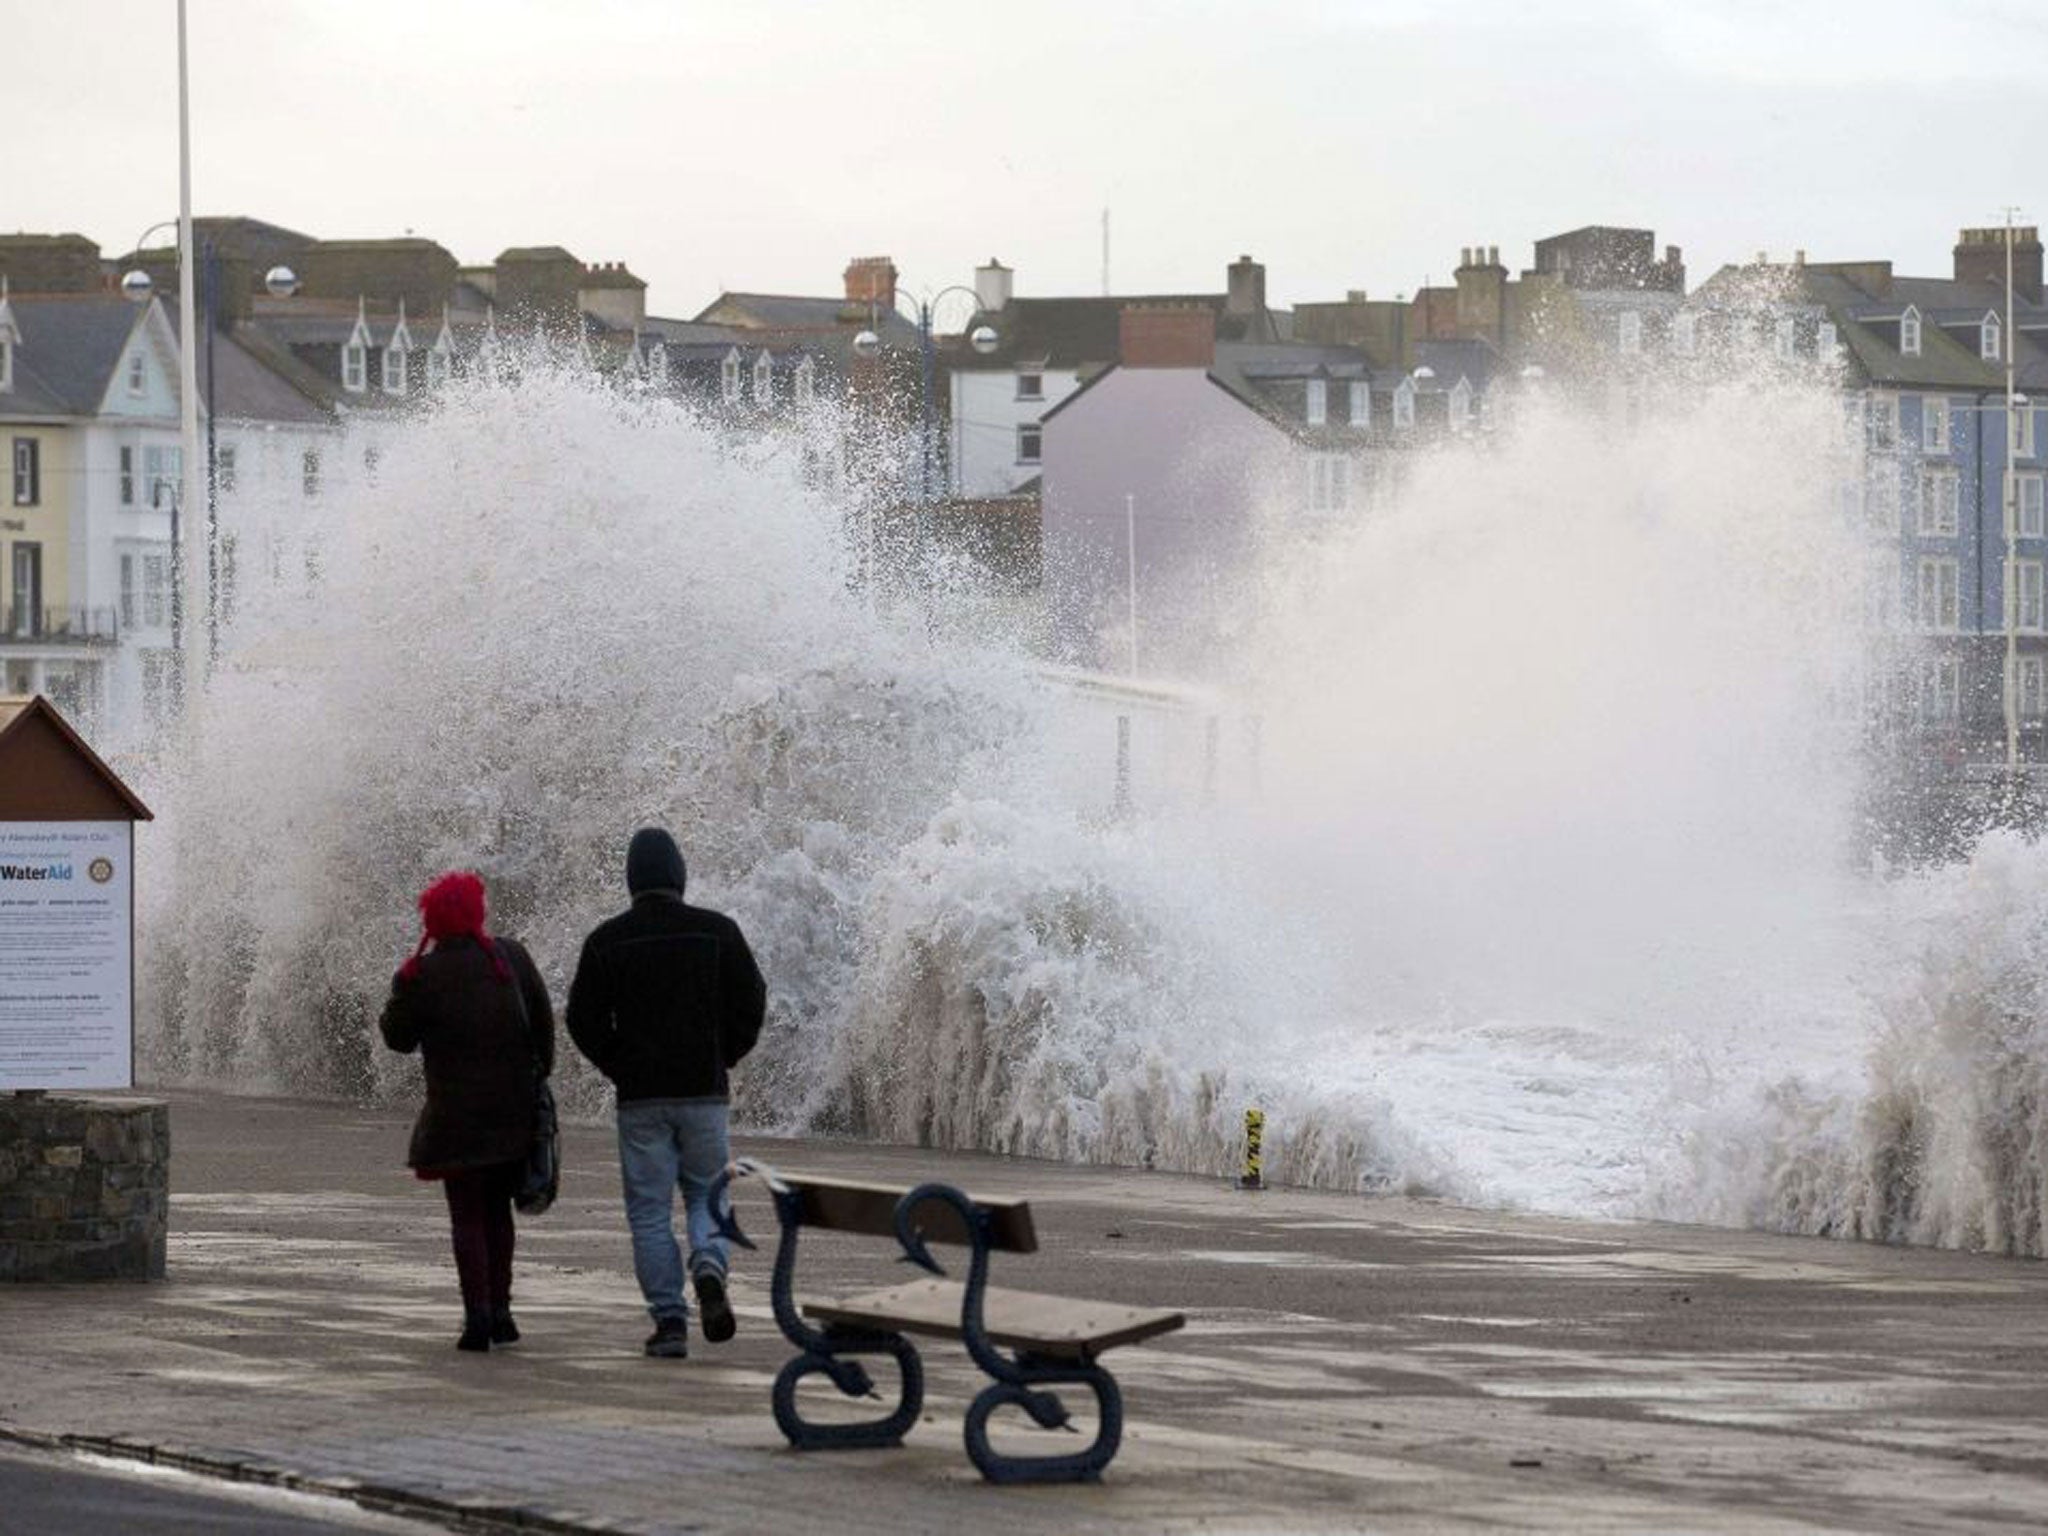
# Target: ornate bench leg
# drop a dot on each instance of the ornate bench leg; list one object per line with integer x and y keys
{"x": 852, "y": 1379}
{"x": 1048, "y": 1412}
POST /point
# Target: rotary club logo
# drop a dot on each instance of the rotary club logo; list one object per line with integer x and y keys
{"x": 101, "y": 870}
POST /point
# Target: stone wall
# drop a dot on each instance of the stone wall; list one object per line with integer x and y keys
{"x": 84, "y": 1188}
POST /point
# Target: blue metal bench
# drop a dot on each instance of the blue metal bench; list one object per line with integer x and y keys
{"x": 1053, "y": 1340}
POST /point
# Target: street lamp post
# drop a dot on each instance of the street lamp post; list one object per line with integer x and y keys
{"x": 868, "y": 344}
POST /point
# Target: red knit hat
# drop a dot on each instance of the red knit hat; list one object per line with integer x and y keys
{"x": 452, "y": 907}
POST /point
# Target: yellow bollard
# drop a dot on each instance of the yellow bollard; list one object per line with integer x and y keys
{"x": 1254, "y": 1141}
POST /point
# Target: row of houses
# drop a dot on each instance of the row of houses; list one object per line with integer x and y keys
{"x": 1118, "y": 451}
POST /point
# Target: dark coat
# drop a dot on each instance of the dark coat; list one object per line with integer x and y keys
{"x": 478, "y": 1050}
{"x": 666, "y": 999}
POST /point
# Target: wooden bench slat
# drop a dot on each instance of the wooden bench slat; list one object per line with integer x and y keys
{"x": 849, "y": 1205}
{"x": 1046, "y": 1325}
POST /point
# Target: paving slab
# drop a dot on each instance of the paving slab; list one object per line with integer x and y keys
{"x": 1351, "y": 1363}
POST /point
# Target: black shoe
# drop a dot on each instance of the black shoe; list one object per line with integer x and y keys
{"x": 670, "y": 1339}
{"x": 503, "y": 1329}
{"x": 476, "y": 1332}
{"x": 715, "y": 1309}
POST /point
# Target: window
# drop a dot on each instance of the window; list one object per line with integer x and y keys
{"x": 437, "y": 367}
{"x": 138, "y": 373}
{"x": 1941, "y": 689}
{"x": 1934, "y": 424}
{"x": 1938, "y": 503}
{"x": 1784, "y": 334}
{"x": 1629, "y": 334}
{"x": 224, "y": 469}
{"x": 1361, "y": 403}
{"x": 1988, "y": 338}
{"x": 2026, "y": 580}
{"x": 156, "y": 590}
{"x": 1938, "y": 594}
{"x": 163, "y": 474}
{"x": 764, "y": 379}
{"x": 2023, "y": 444}
{"x": 657, "y": 362}
{"x": 1882, "y": 498}
{"x": 2033, "y": 675}
{"x": 394, "y": 370}
{"x": 309, "y": 472}
{"x": 1404, "y": 404}
{"x": 729, "y": 377}
{"x": 6, "y": 361}
{"x": 28, "y": 471}
{"x": 1029, "y": 441}
{"x": 1316, "y": 409}
{"x": 127, "y": 591}
{"x": 127, "y": 476}
{"x": 355, "y": 368}
{"x": 1030, "y": 384}
{"x": 806, "y": 381}
{"x": 1685, "y": 333}
{"x": 1884, "y": 421}
{"x": 2028, "y": 514}
{"x": 1909, "y": 332}
{"x": 1329, "y": 482}
{"x": 1825, "y": 342}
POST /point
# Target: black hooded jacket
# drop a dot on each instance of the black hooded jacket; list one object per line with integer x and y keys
{"x": 666, "y": 997}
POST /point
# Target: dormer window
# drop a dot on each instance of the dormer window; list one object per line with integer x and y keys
{"x": 729, "y": 377}
{"x": 1031, "y": 382}
{"x": 138, "y": 373}
{"x": 806, "y": 381}
{"x": 1461, "y": 405}
{"x": 395, "y": 351}
{"x": 1909, "y": 332}
{"x": 1317, "y": 409}
{"x": 438, "y": 366}
{"x": 1989, "y": 339}
{"x": 1361, "y": 403}
{"x": 355, "y": 355}
{"x": 1630, "y": 333}
{"x": 1404, "y": 403}
{"x": 764, "y": 379}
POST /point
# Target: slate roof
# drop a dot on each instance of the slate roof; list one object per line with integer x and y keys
{"x": 795, "y": 312}
{"x": 71, "y": 344}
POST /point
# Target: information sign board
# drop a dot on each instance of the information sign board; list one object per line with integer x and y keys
{"x": 67, "y": 967}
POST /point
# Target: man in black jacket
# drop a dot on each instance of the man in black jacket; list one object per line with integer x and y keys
{"x": 667, "y": 1000}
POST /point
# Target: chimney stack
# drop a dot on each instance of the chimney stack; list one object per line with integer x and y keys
{"x": 1247, "y": 290}
{"x": 871, "y": 280}
{"x": 1980, "y": 258}
{"x": 992, "y": 286}
{"x": 1166, "y": 336}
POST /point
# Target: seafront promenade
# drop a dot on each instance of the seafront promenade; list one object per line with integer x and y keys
{"x": 1350, "y": 1364}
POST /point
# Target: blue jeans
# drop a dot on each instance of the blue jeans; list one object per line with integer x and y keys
{"x": 664, "y": 1143}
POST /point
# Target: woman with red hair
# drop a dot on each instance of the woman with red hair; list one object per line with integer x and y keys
{"x": 477, "y": 1011}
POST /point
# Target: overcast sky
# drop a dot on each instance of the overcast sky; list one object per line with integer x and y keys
{"x": 758, "y": 144}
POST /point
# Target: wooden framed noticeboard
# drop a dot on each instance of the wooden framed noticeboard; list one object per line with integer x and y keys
{"x": 67, "y": 907}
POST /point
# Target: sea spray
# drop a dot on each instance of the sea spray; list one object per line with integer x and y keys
{"x": 1543, "y": 886}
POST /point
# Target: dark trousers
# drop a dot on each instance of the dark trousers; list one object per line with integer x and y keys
{"x": 480, "y": 1220}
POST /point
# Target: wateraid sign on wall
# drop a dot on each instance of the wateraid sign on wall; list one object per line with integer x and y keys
{"x": 66, "y": 954}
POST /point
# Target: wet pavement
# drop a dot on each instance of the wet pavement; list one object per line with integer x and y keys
{"x": 1350, "y": 1364}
